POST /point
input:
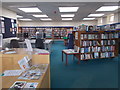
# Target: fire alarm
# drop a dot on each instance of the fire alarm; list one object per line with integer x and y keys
{"x": 55, "y": 12}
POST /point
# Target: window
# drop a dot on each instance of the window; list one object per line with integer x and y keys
{"x": 111, "y": 18}
{"x": 101, "y": 20}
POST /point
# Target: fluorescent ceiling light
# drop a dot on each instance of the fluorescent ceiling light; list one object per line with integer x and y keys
{"x": 25, "y": 19}
{"x": 30, "y": 10}
{"x": 67, "y": 19}
{"x": 88, "y": 18}
{"x": 67, "y": 15}
{"x": 45, "y": 19}
{"x": 68, "y": 9}
{"x": 107, "y": 8}
{"x": 18, "y": 16}
{"x": 40, "y": 15}
{"x": 95, "y": 15}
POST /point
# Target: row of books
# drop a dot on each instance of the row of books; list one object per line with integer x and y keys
{"x": 59, "y": 32}
{"x": 89, "y": 36}
{"x": 89, "y": 43}
{"x": 97, "y": 49}
{"x": 108, "y": 42}
{"x": 107, "y": 54}
{"x": 90, "y": 56}
{"x": 109, "y": 35}
{"x": 90, "y": 49}
{"x": 108, "y": 48}
{"x": 97, "y": 55}
{"x": 86, "y": 28}
{"x": 97, "y": 43}
{"x": 103, "y": 36}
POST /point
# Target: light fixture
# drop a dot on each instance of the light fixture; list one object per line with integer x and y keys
{"x": 68, "y": 9}
{"x": 46, "y": 19}
{"x": 107, "y": 8}
{"x": 30, "y": 10}
{"x": 95, "y": 15}
{"x": 18, "y": 16}
{"x": 67, "y": 15}
{"x": 67, "y": 18}
{"x": 88, "y": 18}
{"x": 25, "y": 19}
{"x": 40, "y": 15}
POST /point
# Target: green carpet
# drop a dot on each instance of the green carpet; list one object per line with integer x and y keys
{"x": 97, "y": 73}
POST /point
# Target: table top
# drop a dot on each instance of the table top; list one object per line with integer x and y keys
{"x": 33, "y": 41}
{"x": 69, "y": 51}
{"x": 7, "y": 81}
{"x": 25, "y": 51}
{"x": 48, "y": 41}
{"x": 12, "y": 64}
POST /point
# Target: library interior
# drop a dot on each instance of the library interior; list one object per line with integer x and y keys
{"x": 59, "y": 44}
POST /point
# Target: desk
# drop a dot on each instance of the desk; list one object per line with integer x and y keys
{"x": 10, "y": 62}
{"x": 6, "y": 41}
{"x": 67, "y": 52}
{"x": 47, "y": 43}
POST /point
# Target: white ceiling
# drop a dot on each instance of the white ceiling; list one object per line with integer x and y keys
{"x": 49, "y": 8}
{"x": 60, "y": 1}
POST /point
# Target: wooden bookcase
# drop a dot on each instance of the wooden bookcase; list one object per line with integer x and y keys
{"x": 97, "y": 44}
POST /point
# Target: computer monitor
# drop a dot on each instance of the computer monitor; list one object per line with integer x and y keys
{"x": 25, "y": 35}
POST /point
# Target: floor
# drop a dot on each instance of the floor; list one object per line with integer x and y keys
{"x": 99, "y": 73}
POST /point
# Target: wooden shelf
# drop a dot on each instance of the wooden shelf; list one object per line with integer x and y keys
{"x": 89, "y": 46}
{"x": 89, "y": 39}
{"x": 89, "y": 52}
{"x": 110, "y": 39}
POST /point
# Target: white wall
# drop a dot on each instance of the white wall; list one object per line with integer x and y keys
{"x": 25, "y": 23}
{"x": 88, "y": 22}
{"x": 0, "y": 8}
{"x": 106, "y": 20}
{"x": 7, "y": 13}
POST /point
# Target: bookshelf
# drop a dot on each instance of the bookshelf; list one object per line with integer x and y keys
{"x": 113, "y": 26}
{"x": 59, "y": 33}
{"x": 51, "y": 32}
{"x": 96, "y": 45}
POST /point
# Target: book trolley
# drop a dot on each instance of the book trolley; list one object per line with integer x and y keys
{"x": 97, "y": 44}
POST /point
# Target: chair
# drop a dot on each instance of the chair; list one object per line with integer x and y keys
{"x": 39, "y": 43}
{"x": 14, "y": 43}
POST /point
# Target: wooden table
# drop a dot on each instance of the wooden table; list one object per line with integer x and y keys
{"x": 71, "y": 53}
{"x": 10, "y": 62}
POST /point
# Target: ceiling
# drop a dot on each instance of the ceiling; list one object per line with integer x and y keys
{"x": 51, "y": 9}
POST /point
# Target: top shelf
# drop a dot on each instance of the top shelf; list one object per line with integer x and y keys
{"x": 94, "y": 32}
